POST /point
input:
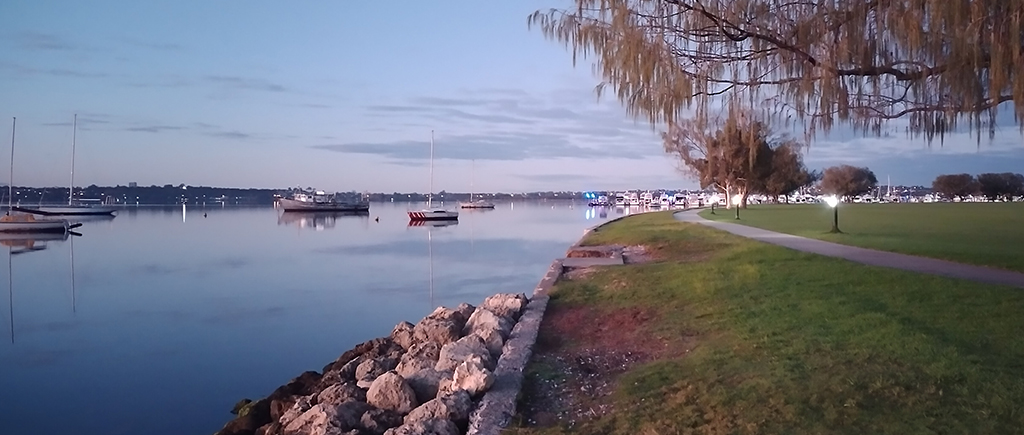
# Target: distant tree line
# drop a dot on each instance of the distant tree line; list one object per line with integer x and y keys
{"x": 993, "y": 186}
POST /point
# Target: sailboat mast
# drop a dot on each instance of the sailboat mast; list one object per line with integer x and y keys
{"x": 10, "y": 186}
{"x": 74, "y": 134}
{"x": 472, "y": 179}
{"x": 430, "y": 194}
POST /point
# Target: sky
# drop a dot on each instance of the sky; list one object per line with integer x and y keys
{"x": 344, "y": 95}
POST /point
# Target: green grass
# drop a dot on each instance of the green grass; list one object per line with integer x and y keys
{"x": 792, "y": 343}
{"x": 988, "y": 234}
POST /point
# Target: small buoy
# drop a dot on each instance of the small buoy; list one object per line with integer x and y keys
{"x": 376, "y": 219}
{"x": 204, "y": 214}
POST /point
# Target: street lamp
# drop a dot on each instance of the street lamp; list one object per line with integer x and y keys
{"x": 833, "y": 201}
{"x": 736, "y": 203}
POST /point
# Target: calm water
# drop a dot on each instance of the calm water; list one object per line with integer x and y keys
{"x": 158, "y": 321}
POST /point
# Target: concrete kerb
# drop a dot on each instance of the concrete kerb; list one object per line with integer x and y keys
{"x": 498, "y": 406}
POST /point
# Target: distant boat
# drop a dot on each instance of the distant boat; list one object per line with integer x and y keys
{"x": 480, "y": 203}
{"x": 319, "y": 200}
{"x": 26, "y": 223}
{"x": 430, "y": 213}
{"x": 72, "y": 209}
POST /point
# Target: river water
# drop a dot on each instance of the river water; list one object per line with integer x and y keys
{"x": 159, "y": 320}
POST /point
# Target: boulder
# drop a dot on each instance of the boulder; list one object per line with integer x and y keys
{"x": 506, "y": 304}
{"x": 284, "y": 396}
{"x": 427, "y": 427}
{"x": 377, "y": 421}
{"x": 250, "y": 418}
{"x": 492, "y": 341}
{"x": 369, "y": 369}
{"x": 403, "y": 334}
{"x": 425, "y": 383}
{"x": 453, "y": 354}
{"x": 486, "y": 320}
{"x": 341, "y": 393}
{"x": 324, "y": 419}
{"x": 420, "y": 356}
{"x": 269, "y": 429}
{"x": 372, "y": 348}
{"x": 301, "y": 405}
{"x": 443, "y": 326}
{"x": 390, "y": 391}
{"x": 453, "y": 406}
{"x": 465, "y": 310}
{"x": 471, "y": 376}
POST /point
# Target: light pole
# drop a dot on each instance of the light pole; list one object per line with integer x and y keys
{"x": 833, "y": 201}
{"x": 736, "y": 203}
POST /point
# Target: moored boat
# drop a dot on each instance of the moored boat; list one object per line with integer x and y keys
{"x": 432, "y": 213}
{"x": 320, "y": 201}
{"x": 26, "y": 223}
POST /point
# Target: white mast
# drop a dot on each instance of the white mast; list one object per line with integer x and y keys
{"x": 10, "y": 187}
{"x": 431, "y": 193}
{"x": 472, "y": 179}
{"x": 71, "y": 187}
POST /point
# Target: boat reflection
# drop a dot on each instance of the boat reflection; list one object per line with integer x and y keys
{"x": 20, "y": 243}
{"x": 23, "y": 243}
{"x": 433, "y": 224}
{"x": 317, "y": 220}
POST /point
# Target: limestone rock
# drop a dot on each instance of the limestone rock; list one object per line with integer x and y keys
{"x": 420, "y": 356}
{"x": 453, "y": 354}
{"x": 483, "y": 319}
{"x": 372, "y": 349}
{"x": 341, "y": 393}
{"x": 506, "y": 304}
{"x": 324, "y": 419}
{"x": 302, "y": 404}
{"x": 377, "y": 421}
{"x": 250, "y": 418}
{"x": 428, "y": 427}
{"x": 442, "y": 326}
{"x": 454, "y": 406}
{"x": 425, "y": 383}
{"x": 492, "y": 341}
{"x": 390, "y": 391}
{"x": 369, "y": 368}
{"x": 465, "y": 310}
{"x": 473, "y": 377}
{"x": 403, "y": 334}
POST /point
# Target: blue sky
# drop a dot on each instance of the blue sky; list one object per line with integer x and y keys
{"x": 343, "y": 95}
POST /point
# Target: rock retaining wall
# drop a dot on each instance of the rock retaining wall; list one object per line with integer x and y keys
{"x": 426, "y": 378}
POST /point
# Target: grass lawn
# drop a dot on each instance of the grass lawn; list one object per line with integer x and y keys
{"x": 788, "y": 343}
{"x": 988, "y": 234}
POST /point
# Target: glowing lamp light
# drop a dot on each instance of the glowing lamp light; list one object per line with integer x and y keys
{"x": 736, "y": 199}
{"x": 831, "y": 200}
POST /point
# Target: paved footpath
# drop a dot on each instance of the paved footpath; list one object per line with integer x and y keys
{"x": 866, "y": 256}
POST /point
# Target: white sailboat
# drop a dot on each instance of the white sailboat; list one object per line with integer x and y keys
{"x": 72, "y": 208}
{"x": 431, "y": 213}
{"x": 26, "y": 223}
{"x": 480, "y": 203}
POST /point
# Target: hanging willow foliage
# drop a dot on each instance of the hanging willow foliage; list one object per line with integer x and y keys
{"x": 936, "y": 63}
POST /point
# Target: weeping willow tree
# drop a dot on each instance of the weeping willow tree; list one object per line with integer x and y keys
{"x": 935, "y": 63}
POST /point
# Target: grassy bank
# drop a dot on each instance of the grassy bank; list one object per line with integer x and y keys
{"x": 988, "y": 234}
{"x": 759, "y": 339}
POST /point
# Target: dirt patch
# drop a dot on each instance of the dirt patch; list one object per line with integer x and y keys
{"x": 637, "y": 254}
{"x": 592, "y": 252}
{"x": 580, "y": 353}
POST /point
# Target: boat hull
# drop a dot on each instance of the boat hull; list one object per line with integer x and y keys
{"x": 67, "y": 210}
{"x": 433, "y": 215}
{"x": 293, "y": 205}
{"x": 476, "y": 204}
{"x": 39, "y": 226}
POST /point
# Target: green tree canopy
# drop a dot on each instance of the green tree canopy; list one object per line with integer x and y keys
{"x": 955, "y": 185}
{"x": 846, "y": 180}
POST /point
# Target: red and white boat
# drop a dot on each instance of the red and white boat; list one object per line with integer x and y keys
{"x": 432, "y": 213}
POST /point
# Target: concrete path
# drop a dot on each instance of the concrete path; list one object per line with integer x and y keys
{"x": 866, "y": 256}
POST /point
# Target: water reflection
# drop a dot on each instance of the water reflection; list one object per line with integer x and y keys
{"x": 433, "y": 224}
{"x": 24, "y": 243}
{"x": 317, "y": 220}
